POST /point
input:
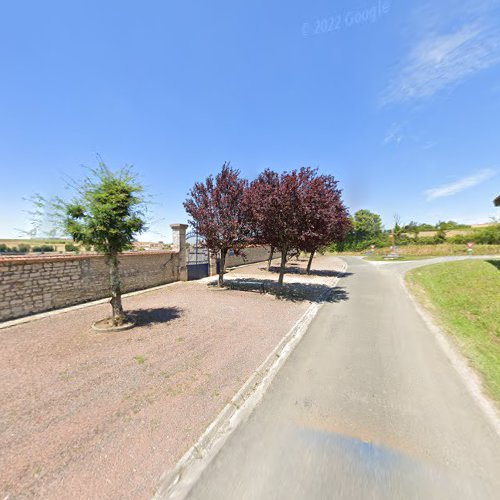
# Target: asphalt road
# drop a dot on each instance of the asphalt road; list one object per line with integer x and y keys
{"x": 367, "y": 406}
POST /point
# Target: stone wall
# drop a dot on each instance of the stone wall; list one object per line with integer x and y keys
{"x": 37, "y": 284}
{"x": 250, "y": 255}
{"x": 30, "y": 285}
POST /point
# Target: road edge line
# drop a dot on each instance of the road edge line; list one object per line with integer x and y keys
{"x": 177, "y": 483}
{"x": 470, "y": 378}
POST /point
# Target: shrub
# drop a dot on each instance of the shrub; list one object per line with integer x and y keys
{"x": 460, "y": 239}
{"x": 44, "y": 248}
{"x": 24, "y": 248}
{"x": 488, "y": 235}
{"x": 403, "y": 240}
{"x": 439, "y": 237}
{"x": 426, "y": 240}
{"x": 70, "y": 247}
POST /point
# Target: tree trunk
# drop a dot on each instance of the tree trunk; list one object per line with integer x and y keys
{"x": 311, "y": 257}
{"x": 271, "y": 252}
{"x": 282, "y": 266}
{"x": 116, "y": 292}
{"x": 222, "y": 267}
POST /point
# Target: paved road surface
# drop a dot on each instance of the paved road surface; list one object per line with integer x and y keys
{"x": 367, "y": 406}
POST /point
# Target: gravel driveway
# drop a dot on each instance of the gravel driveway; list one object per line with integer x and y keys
{"x": 103, "y": 415}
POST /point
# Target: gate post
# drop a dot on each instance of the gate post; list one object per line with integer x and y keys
{"x": 179, "y": 245}
{"x": 212, "y": 264}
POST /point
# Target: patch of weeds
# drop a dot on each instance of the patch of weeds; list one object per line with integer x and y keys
{"x": 140, "y": 359}
{"x": 37, "y": 473}
{"x": 154, "y": 424}
{"x": 178, "y": 389}
{"x": 66, "y": 375}
{"x": 180, "y": 339}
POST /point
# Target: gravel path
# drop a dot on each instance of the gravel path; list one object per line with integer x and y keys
{"x": 103, "y": 415}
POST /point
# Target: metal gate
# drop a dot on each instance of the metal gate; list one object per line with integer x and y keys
{"x": 197, "y": 257}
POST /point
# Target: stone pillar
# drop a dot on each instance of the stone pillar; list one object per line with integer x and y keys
{"x": 179, "y": 244}
{"x": 212, "y": 264}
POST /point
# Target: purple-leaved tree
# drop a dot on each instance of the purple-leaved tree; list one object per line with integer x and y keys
{"x": 217, "y": 213}
{"x": 273, "y": 205}
{"x": 297, "y": 210}
{"x": 325, "y": 218}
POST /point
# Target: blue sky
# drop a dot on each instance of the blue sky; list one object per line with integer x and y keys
{"x": 400, "y": 102}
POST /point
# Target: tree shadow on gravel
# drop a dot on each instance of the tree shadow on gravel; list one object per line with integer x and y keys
{"x": 293, "y": 292}
{"x": 495, "y": 263}
{"x": 144, "y": 317}
{"x": 314, "y": 272}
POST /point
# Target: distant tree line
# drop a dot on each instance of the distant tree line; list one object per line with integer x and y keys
{"x": 25, "y": 248}
{"x": 489, "y": 235}
{"x": 43, "y": 248}
{"x": 367, "y": 230}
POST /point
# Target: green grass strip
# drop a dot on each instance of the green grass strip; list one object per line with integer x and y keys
{"x": 465, "y": 297}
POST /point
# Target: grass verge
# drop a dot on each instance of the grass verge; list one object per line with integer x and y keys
{"x": 465, "y": 298}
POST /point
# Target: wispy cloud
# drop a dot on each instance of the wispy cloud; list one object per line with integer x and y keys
{"x": 394, "y": 134}
{"x": 402, "y": 132}
{"x": 459, "y": 185}
{"x": 443, "y": 57}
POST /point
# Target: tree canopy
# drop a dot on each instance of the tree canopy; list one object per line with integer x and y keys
{"x": 325, "y": 217}
{"x": 108, "y": 211}
{"x": 297, "y": 210}
{"x": 367, "y": 225}
{"x": 217, "y": 212}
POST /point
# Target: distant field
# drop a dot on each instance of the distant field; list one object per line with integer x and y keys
{"x": 57, "y": 243}
{"x": 48, "y": 241}
{"x": 421, "y": 251}
{"x": 465, "y": 298}
{"x": 60, "y": 243}
{"x": 440, "y": 250}
{"x": 452, "y": 232}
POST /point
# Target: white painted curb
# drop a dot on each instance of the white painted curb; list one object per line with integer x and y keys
{"x": 177, "y": 483}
